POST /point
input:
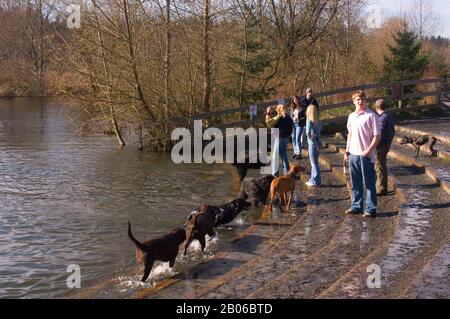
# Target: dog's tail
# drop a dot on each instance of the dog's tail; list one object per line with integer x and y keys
{"x": 138, "y": 244}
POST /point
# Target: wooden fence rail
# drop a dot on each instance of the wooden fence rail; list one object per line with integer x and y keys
{"x": 437, "y": 82}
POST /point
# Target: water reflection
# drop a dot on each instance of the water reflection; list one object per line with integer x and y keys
{"x": 66, "y": 197}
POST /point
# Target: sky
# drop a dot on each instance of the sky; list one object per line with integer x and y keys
{"x": 388, "y": 8}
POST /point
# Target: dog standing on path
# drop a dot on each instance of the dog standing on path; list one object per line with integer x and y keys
{"x": 284, "y": 186}
{"x": 418, "y": 142}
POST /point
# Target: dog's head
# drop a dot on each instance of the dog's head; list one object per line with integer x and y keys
{"x": 240, "y": 204}
{"x": 295, "y": 169}
{"x": 406, "y": 140}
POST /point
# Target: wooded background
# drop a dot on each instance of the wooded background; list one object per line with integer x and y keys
{"x": 143, "y": 62}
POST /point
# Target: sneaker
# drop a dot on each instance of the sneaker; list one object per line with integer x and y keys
{"x": 353, "y": 212}
{"x": 309, "y": 184}
{"x": 372, "y": 214}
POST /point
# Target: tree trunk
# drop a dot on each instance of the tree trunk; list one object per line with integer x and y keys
{"x": 167, "y": 68}
{"x": 137, "y": 80}
{"x": 107, "y": 75}
{"x": 206, "y": 57}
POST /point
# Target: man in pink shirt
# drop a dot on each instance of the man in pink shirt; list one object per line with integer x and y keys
{"x": 363, "y": 136}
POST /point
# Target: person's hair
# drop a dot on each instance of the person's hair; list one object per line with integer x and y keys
{"x": 312, "y": 114}
{"x": 359, "y": 93}
{"x": 380, "y": 104}
{"x": 281, "y": 107}
{"x": 308, "y": 90}
{"x": 292, "y": 101}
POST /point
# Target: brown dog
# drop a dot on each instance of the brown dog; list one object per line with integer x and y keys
{"x": 284, "y": 185}
{"x": 200, "y": 223}
{"x": 164, "y": 248}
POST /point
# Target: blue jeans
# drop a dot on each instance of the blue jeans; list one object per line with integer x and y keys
{"x": 313, "y": 151}
{"x": 279, "y": 149}
{"x": 297, "y": 133}
{"x": 362, "y": 173}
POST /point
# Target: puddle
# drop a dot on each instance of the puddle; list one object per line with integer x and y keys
{"x": 308, "y": 226}
{"x": 435, "y": 280}
{"x": 410, "y": 232}
{"x": 443, "y": 174}
{"x": 364, "y": 242}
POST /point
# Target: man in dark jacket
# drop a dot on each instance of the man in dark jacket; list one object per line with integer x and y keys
{"x": 383, "y": 147}
{"x": 309, "y": 99}
{"x": 305, "y": 102}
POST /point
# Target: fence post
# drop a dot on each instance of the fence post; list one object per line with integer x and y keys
{"x": 439, "y": 92}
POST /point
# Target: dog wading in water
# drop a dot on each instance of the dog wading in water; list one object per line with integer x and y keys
{"x": 164, "y": 248}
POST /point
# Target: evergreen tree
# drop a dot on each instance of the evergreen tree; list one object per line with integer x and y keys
{"x": 407, "y": 61}
{"x": 249, "y": 63}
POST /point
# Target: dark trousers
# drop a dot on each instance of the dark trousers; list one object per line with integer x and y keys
{"x": 381, "y": 169}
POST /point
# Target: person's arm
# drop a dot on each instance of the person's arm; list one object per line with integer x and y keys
{"x": 349, "y": 137}
{"x": 376, "y": 136}
{"x": 373, "y": 144}
{"x": 384, "y": 132}
{"x": 270, "y": 121}
{"x": 308, "y": 129}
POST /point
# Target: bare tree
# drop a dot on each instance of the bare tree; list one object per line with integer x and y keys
{"x": 107, "y": 75}
{"x": 206, "y": 56}
{"x": 422, "y": 18}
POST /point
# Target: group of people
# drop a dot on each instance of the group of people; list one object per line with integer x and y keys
{"x": 369, "y": 139}
{"x": 303, "y": 116}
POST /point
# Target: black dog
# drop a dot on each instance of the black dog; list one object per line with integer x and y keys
{"x": 433, "y": 142}
{"x": 256, "y": 189}
{"x": 225, "y": 213}
{"x": 243, "y": 167}
{"x": 418, "y": 142}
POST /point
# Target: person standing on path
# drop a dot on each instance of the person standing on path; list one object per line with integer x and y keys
{"x": 313, "y": 128}
{"x": 363, "y": 136}
{"x": 298, "y": 116}
{"x": 387, "y": 135}
{"x": 283, "y": 122}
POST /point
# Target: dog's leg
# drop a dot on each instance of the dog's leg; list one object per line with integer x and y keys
{"x": 271, "y": 200}
{"x": 148, "y": 268}
{"x": 417, "y": 151}
{"x": 186, "y": 245}
{"x": 282, "y": 199}
{"x": 202, "y": 241}
{"x": 289, "y": 201}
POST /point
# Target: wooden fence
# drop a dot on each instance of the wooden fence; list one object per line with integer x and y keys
{"x": 340, "y": 97}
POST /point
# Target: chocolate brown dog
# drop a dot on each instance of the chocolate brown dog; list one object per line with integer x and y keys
{"x": 284, "y": 186}
{"x": 200, "y": 223}
{"x": 164, "y": 248}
